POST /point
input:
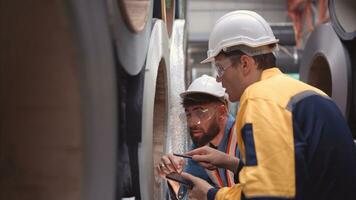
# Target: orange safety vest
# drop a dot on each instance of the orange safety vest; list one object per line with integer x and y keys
{"x": 223, "y": 177}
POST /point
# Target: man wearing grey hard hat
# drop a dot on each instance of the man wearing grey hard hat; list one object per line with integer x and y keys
{"x": 294, "y": 141}
{"x": 209, "y": 124}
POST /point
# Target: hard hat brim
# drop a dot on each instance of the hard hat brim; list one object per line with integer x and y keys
{"x": 184, "y": 94}
{"x": 248, "y": 49}
{"x": 207, "y": 60}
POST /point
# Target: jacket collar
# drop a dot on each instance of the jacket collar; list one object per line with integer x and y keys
{"x": 268, "y": 73}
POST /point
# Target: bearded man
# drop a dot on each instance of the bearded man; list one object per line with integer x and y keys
{"x": 209, "y": 124}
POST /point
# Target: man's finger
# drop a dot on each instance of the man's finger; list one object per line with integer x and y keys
{"x": 160, "y": 172}
{"x": 201, "y": 158}
{"x": 211, "y": 167}
{"x": 168, "y": 164}
{"x": 207, "y": 165}
{"x": 165, "y": 170}
{"x": 177, "y": 162}
{"x": 196, "y": 151}
{"x": 189, "y": 177}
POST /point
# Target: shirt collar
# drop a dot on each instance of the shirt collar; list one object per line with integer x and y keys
{"x": 268, "y": 73}
{"x": 223, "y": 143}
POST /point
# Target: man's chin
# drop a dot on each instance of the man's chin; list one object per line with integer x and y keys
{"x": 200, "y": 143}
{"x": 195, "y": 140}
{"x": 196, "y": 135}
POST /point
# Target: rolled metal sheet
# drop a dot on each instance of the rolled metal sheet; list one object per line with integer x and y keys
{"x": 177, "y": 134}
{"x": 351, "y": 46}
{"x": 154, "y": 111}
{"x": 131, "y": 23}
{"x": 99, "y": 96}
{"x": 165, "y": 10}
{"x": 288, "y": 59}
{"x": 58, "y": 101}
{"x": 343, "y": 15}
{"x": 352, "y": 51}
{"x": 177, "y": 137}
{"x": 181, "y": 9}
{"x": 285, "y": 34}
{"x": 326, "y": 65}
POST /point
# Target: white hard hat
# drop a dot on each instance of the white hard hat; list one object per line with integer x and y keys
{"x": 207, "y": 85}
{"x": 244, "y": 30}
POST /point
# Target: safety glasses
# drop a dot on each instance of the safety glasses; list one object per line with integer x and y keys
{"x": 198, "y": 114}
{"x": 222, "y": 65}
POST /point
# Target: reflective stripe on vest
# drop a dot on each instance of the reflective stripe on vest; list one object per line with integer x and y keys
{"x": 223, "y": 177}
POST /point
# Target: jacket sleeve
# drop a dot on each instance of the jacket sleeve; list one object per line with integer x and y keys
{"x": 265, "y": 138}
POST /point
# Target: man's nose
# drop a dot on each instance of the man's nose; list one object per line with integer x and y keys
{"x": 194, "y": 121}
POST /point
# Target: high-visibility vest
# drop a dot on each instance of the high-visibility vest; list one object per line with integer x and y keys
{"x": 223, "y": 177}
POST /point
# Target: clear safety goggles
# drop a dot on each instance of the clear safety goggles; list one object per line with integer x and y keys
{"x": 198, "y": 115}
{"x": 222, "y": 65}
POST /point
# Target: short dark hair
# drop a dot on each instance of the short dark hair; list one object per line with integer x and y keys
{"x": 201, "y": 98}
{"x": 264, "y": 61}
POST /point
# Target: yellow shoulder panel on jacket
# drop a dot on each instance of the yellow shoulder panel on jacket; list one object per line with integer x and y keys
{"x": 275, "y": 81}
{"x": 228, "y": 193}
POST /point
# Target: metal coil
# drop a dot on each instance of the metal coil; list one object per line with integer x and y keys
{"x": 58, "y": 101}
{"x": 165, "y": 10}
{"x": 326, "y": 65}
{"x": 154, "y": 111}
{"x": 343, "y": 15}
{"x": 131, "y": 23}
{"x": 285, "y": 34}
{"x": 288, "y": 59}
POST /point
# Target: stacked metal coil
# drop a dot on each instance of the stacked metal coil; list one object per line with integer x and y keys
{"x": 329, "y": 58}
{"x": 288, "y": 57}
{"x": 58, "y": 101}
{"x": 89, "y": 98}
{"x": 342, "y": 13}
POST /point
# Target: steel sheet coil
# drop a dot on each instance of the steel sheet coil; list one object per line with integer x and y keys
{"x": 165, "y": 10}
{"x": 285, "y": 34}
{"x": 343, "y": 15}
{"x": 131, "y": 23}
{"x": 177, "y": 135}
{"x": 155, "y": 110}
{"x": 326, "y": 65}
{"x": 288, "y": 59}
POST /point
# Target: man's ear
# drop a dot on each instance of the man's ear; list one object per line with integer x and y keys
{"x": 223, "y": 112}
{"x": 247, "y": 63}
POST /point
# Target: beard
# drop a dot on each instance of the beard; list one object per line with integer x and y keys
{"x": 207, "y": 136}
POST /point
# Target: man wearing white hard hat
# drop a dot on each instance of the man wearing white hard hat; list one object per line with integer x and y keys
{"x": 210, "y": 124}
{"x": 294, "y": 141}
